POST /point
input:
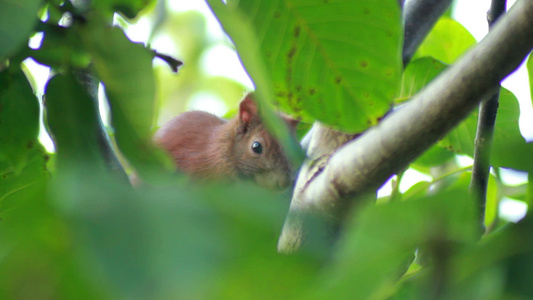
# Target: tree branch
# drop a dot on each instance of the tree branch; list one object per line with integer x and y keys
{"x": 363, "y": 165}
{"x": 419, "y": 18}
{"x": 485, "y": 133}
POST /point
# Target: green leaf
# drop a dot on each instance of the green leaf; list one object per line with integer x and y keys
{"x": 125, "y": 68}
{"x": 323, "y": 58}
{"x": 129, "y": 8}
{"x": 433, "y": 157}
{"x": 33, "y": 171}
{"x": 19, "y": 119}
{"x": 382, "y": 238}
{"x": 509, "y": 148}
{"x": 417, "y": 75}
{"x": 417, "y": 190}
{"x": 38, "y": 253}
{"x": 492, "y": 201}
{"x": 73, "y": 122}
{"x": 17, "y": 18}
{"x": 446, "y": 41}
{"x": 61, "y": 47}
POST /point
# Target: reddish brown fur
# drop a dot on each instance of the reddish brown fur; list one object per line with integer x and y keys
{"x": 207, "y": 146}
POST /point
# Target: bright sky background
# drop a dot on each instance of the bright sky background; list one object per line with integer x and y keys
{"x": 222, "y": 60}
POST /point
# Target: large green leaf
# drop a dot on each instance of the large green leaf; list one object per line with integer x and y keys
{"x": 125, "y": 68}
{"x": 446, "y": 42}
{"x": 17, "y": 18}
{"x": 335, "y": 61}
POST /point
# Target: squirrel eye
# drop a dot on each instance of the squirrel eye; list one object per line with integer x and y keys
{"x": 257, "y": 147}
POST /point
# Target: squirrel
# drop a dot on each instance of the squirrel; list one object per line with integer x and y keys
{"x": 208, "y": 147}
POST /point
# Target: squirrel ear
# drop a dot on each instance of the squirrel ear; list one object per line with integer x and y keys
{"x": 292, "y": 122}
{"x": 247, "y": 109}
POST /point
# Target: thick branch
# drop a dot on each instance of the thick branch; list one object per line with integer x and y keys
{"x": 420, "y": 16}
{"x": 485, "y": 133}
{"x": 363, "y": 165}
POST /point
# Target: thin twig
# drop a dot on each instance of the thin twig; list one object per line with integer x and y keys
{"x": 485, "y": 132}
{"x": 173, "y": 63}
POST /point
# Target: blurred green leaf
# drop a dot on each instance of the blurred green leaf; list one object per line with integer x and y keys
{"x": 187, "y": 242}
{"x": 61, "y": 48}
{"x": 417, "y": 75}
{"x": 382, "y": 238}
{"x": 129, "y": 8}
{"x": 433, "y": 157}
{"x": 22, "y": 159}
{"x": 19, "y": 119}
{"x": 33, "y": 172}
{"x": 418, "y": 190}
{"x": 37, "y": 257}
{"x": 125, "y": 68}
{"x": 72, "y": 119}
{"x": 17, "y": 18}
{"x": 446, "y": 41}
{"x": 492, "y": 201}
{"x": 324, "y": 65}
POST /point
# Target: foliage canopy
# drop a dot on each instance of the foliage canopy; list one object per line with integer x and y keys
{"x": 72, "y": 227}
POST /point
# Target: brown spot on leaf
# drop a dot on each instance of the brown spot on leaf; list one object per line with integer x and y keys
{"x": 363, "y": 64}
{"x": 296, "y": 31}
{"x": 277, "y": 15}
{"x": 312, "y": 91}
{"x": 366, "y": 11}
{"x": 291, "y": 53}
{"x": 338, "y": 80}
